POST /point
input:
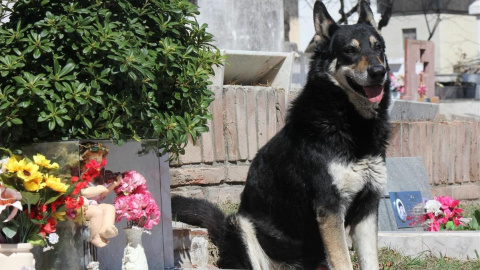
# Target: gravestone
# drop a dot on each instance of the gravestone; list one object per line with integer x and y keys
{"x": 404, "y": 174}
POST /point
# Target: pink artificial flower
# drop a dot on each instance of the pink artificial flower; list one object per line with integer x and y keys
{"x": 131, "y": 180}
{"x": 434, "y": 226}
{"x": 10, "y": 197}
{"x": 422, "y": 89}
{"x": 447, "y": 201}
{"x": 448, "y": 211}
{"x": 140, "y": 208}
{"x": 457, "y": 222}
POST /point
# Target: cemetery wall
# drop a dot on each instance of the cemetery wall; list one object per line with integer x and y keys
{"x": 246, "y": 117}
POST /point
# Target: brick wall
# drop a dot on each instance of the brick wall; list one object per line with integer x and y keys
{"x": 450, "y": 151}
{"x": 246, "y": 117}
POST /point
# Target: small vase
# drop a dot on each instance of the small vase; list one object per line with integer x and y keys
{"x": 134, "y": 255}
{"x": 16, "y": 256}
{"x": 395, "y": 95}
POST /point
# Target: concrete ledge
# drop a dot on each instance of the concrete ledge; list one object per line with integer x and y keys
{"x": 460, "y": 245}
{"x": 190, "y": 245}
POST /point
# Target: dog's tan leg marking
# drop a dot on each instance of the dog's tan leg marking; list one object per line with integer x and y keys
{"x": 332, "y": 230}
{"x": 365, "y": 237}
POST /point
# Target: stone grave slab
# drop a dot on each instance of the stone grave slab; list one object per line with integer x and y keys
{"x": 404, "y": 174}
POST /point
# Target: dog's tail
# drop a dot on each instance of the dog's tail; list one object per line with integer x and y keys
{"x": 199, "y": 212}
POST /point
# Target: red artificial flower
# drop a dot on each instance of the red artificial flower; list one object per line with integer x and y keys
{"x": 74, "y": 179}
{"x": 48, "y": 228}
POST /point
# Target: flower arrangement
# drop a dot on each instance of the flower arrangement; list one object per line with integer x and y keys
{"x": 397, "y": 83}
{"x": 442, "y": 213}
{"x": 135, "y": 203}
{"x": 34, "y": 198}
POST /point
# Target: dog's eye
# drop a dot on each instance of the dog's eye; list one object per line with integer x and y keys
{"x": 377, "y": 46}
{"x": 349, "y": 50}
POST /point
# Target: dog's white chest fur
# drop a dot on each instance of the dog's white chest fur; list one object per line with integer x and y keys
{"x": 351, "y": 178}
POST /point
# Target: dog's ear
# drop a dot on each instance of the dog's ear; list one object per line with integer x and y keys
{"x": 325, "y": 26}
{"x": 365, "y": 14}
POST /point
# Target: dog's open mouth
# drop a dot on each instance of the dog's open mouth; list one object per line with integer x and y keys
{"x": 374, "y": 93}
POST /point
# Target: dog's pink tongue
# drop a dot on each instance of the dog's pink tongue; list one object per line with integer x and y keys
{"x": 374, "y": 93}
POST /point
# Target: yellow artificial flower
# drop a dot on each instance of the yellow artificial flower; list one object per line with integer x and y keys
{"x": 79, "y": 217}
{"x": 55, "y": 183}
{"x": 60, "y": 216}
{"x": 28, "y": 171}
{"x": 53, "y": 166}
{"x": 33, "y": 186}
{"x": 13, "y": 165}
{"x": 41, "y": 160}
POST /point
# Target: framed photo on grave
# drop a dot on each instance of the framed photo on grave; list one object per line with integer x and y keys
{"x": 407, "y": 207}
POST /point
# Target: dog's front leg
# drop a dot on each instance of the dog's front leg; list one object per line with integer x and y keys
{"x": 332, "y": 230}
{"x": 365, "y": 240}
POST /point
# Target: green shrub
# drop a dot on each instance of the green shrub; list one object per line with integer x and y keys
{"x": 112, "y": 69}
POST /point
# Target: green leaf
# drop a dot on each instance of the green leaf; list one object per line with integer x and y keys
{"x": 10, "y": 231}
{"x": 87, "y": 122}
{"x": 37, "y": 54}
{"x": 29, "y": 197}
{"x": 67, "y": 69}
{"x": 17, "y": 121}
{"x": 36, "y": 240}
{"x": 51, "y": 125}
{"x": 450, "y": 225}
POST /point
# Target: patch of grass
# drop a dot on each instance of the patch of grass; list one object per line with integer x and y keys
{"x": 469, "y": 207}
{"x": 229, "y": 208}
{"x": 390, "y": 259}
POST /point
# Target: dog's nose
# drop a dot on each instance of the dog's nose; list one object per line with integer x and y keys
{"x": 376, "y": 72}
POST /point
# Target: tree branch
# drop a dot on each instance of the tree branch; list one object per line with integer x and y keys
{"x": 386, "y": 15}
{"x": 348, "y": 14}
{"x": 342, "y": 11}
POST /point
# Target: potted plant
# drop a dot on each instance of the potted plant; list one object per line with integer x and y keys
{"x": 118, "y": 70}
{"x": 108, "y": 69}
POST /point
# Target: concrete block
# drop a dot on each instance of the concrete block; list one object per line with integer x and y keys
{"x": 261, "y": 118}
{"x": 460, "y": 245}
{"x": 197, "y": 175}
{"x": 474, "y": 152}
{"x": 403, "y": 110}
{"x": 237, "y": 173}
{"x": 241, "y": 111}
{"x": 406, "y": 139}
{"x": 193, "y": 152}
{"x": 224, "y": 194}
{"x": 271, "y": 114}
{"x": 466, "y": 192}
{"x": 252, "y": 122}
{"x": 428, "y": 160}
{"x": 281, "y": 109}
{"x": 407, "y": 244}
{"x": 217, "y": 116}
{"x": 442, "y": 191}
{"x": 230, "y": 123}
{"x": 190, "y": 246}
{"x": 395, "y": 144}
{"x": 188, "y": 192}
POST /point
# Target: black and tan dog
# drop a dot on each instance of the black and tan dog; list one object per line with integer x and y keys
{"x": 324, "y": 171}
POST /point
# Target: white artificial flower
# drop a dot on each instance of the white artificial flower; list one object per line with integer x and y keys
{"x": 47, "y": 248}
{"x": 53, "y": 238}
{"x": 433, "y": 206}
{"x": 3, "y": 165}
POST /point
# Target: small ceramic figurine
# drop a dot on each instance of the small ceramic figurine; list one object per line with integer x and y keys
{"x": 101, "y": 216}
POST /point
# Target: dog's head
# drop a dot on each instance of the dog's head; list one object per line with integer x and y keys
{"x": 354, "y": 57}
